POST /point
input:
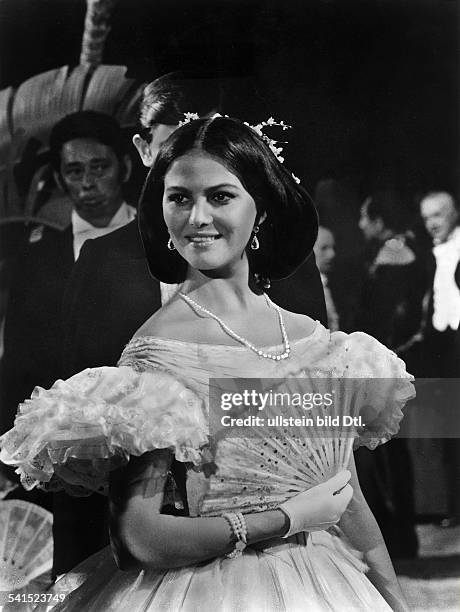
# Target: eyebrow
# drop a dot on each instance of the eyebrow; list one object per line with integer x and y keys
{"x": 213, "y": 188}
{"x": 94, "y": 160}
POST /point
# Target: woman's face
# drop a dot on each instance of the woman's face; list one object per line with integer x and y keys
{"x": 209, "y": 214}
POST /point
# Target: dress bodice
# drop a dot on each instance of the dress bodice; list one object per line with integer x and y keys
{"x": 320, "y": 355}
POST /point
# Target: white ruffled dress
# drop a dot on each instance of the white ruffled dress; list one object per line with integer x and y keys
{"x": 71, "y": 436}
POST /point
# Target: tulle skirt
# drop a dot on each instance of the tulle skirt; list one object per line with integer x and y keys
{"x": 315, "y": 572}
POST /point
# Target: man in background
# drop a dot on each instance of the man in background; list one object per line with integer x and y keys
{"x": 440, "y": 348}
{"x": 90, "y": 163}
{"x": 390, "y": 310}
{"x": 324, "y": 250}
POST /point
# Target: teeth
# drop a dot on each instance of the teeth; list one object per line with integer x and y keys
{"x": 202, "y": 239}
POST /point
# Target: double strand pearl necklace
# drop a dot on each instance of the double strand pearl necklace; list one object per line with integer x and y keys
{"x": 276, "y": 357}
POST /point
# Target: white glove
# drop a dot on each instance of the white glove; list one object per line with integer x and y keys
{"x": 320, "y": 507}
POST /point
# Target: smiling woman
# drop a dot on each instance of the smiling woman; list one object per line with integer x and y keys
{"x": 259, "y": 507}
{"x": 287, "y": 234}
{"x": 208, "y": 212}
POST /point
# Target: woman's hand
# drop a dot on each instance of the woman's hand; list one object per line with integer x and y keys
{"x": 320, "y": 507}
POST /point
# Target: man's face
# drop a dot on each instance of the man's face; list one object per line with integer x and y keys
{"x": 324, "y": 250}
{"x": 439, "y": 216}
{"x": 90, "y": 172}
{"x": 371, "y": 228}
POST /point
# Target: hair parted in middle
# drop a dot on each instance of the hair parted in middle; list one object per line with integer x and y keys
{"x": 290, "y": 229}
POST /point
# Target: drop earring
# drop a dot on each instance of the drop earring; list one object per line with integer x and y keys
{"x": 171, "y": 246}
{"x": 255, "y": 242}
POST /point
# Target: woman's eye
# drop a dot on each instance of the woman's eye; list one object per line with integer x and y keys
{"x": 178, "y": 198}
{"x": 222, "y": 196}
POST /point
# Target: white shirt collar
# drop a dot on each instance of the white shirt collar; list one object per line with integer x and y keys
{"x": 83, "y": 230}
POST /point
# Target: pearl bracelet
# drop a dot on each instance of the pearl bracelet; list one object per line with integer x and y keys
{"x": 239, "y": 529}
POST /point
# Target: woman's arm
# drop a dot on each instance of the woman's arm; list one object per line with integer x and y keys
{"x": 142, "y": 537}
{"x": 360, "y": 526}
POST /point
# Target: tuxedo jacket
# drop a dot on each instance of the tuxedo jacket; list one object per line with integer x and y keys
{"x": 33, "y": 323}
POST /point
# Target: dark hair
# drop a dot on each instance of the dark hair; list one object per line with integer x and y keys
{"x": 86, "y": 124}
{"x": 166, "y": 99}
{"x": 389, "y": 206}
{"x": 286, "y": 236}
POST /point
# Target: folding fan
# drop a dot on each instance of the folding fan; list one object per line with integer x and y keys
{"x": 26, "y": 544}
{"x": 260, "y": 466}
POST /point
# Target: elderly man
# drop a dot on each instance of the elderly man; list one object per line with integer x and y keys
{"x": 440, "y": 215}
{"x": 441, "y": 345}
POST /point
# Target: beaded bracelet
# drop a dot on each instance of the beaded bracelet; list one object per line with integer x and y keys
{"x": 239, "y": 529}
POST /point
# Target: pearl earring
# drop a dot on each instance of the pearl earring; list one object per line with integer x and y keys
{"x": 171, "y": 246}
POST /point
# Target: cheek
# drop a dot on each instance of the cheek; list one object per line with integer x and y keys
{"x": 173, "y": 219}
{"x": 71, "y": 188}
{"x": 110, "y": 184}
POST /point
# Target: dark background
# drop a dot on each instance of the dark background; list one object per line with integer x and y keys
{"x": 371, "y": 87}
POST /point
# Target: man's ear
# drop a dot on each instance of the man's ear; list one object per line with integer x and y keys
{"x": 59, "y": 182}
{"x": 143, "y": 148}
{"x": 128, "y": 166}
{"x": 262, "y": 218}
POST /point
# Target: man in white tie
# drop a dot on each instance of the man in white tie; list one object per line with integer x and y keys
{"x": 90, "y": 162}
{"x": 441, "y": 342}
{"x": 324, "y": 250}
{"x": 440, "y": 216}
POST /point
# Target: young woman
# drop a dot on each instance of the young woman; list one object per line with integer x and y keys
{"x": 222, "y": 215}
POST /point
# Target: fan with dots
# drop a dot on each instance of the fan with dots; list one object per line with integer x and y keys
{"x": 26, "y": 543}
{"x": 260, "y": 466}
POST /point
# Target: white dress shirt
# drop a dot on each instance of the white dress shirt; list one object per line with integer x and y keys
{"x": 82, "y": 230}
{"x": 446, "y": 294}
{"x": 332, "y": 315}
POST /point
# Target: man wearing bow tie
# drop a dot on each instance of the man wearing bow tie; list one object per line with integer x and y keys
{"x": 441, "y": 342}
{"x": 90, "y": 163}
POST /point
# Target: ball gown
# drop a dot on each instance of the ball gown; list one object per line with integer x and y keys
{"x": 70, "y": 437}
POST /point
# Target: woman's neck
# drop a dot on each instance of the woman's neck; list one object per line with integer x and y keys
{"x": 220, "y": 295}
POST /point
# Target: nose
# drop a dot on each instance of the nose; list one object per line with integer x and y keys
{"x": 200, "y": 215}
{"x": 88, "y": 179}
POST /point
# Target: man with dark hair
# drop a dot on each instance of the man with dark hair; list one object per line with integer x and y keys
{"x": 111, "y": 294}
{"x": 91, "y": 165}
{"x": 390, "y": 309}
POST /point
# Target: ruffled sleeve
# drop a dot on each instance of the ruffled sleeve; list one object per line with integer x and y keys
{"x": 382, "y": 388}
{"x": 71, "y": 436}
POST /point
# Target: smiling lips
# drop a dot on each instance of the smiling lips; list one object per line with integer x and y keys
{"x": 203, "y": 239}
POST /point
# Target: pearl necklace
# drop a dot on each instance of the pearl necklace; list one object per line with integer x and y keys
{"x": 287, "y": 349}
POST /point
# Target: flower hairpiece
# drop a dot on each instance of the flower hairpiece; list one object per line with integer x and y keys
{"x": 273, "y": 144}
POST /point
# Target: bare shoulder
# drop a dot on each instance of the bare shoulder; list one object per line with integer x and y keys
{"x": 170, "y": 321}
{"x": 298, "y": 326}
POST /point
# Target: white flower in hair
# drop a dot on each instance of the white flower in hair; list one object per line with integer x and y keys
{"x": 273, "y": 144}
{"x": 188, "y": 117}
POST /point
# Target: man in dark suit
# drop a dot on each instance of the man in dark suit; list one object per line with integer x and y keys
{"x": 390, "y": 310}
{"x": 90, "y": 163}
{"x": 111, "y": 294}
